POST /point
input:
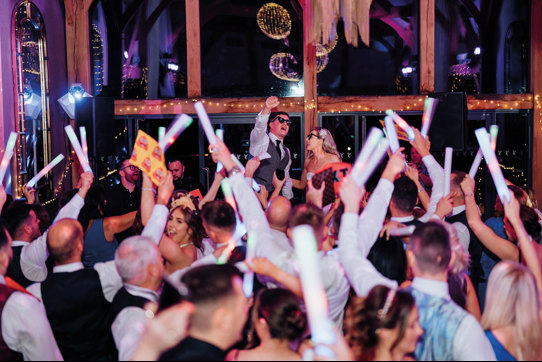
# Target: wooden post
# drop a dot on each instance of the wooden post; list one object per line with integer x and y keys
{"x": 309, "y": 70}
{"x": 536, "y": 86}
{"x": 193, "y": 48}
{"x": 427, "y": 46}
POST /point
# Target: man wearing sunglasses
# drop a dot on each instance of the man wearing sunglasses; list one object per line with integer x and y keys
{"x": 267, "y": 143}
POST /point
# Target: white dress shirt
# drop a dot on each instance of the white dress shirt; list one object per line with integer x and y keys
{"x": 436, "y": 173}
{"x": 129, "y": 324}
{"x": 35, "y": 254}
{"x": 259, "y": 143}
{"x": 25, "y": 328}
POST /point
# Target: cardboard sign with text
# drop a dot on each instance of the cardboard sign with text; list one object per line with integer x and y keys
{"x": 332, "y": 174}
{"x": 149, "y": 158}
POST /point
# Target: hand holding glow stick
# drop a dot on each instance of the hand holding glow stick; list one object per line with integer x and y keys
{"x": 402, "y": 123}
{"x": 429, "y": 112}
{"x": 493, "y": 133}
{"x": 476, "y": 164}
{"x": 448, "y": 170}
{"x": 392, "y": 134}
{"x": 179, "y": 124}
{"x": 205, "y": 123}
{"x": 45, "y": 171}
{"x": 314, "y": 293}
{"x": 8, "y": 153}
{"x": 369, "y": 146}
{"x": 248, "y": 278}
{"x": 493, "y": 165}
{"x": 374, "y": 161}
{"x": 84, "y": 145}
{"x": 77, "y": 148}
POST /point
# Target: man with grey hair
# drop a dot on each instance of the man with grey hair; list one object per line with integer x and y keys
{"x": 141, "y": 267}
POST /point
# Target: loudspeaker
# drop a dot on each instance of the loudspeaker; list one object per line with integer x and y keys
{"x": 449, "y": 121}
{"x": 97, "y": 115}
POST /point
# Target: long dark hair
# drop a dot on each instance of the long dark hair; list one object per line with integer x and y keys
{"x": 195, "y": 225}
{"x": 94, "y": 207}
{"x": 365, "y": 316}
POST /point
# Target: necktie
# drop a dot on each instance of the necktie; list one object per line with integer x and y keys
{"x": 278, "y": 149}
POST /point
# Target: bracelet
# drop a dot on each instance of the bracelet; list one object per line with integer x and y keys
{"x": 234, "y": 171}
{"x": 149, "y": 189}
{"x": 469, "y": 194}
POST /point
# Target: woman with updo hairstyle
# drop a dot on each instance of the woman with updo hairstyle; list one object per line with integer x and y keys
{"x": 384, "y": 326}
{"x": 277, "y": 322}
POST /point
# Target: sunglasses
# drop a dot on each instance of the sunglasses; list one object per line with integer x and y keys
{"x": 131, "y": 167}
{"x": 311, "y": 135}
{"x": 283, "y": 120}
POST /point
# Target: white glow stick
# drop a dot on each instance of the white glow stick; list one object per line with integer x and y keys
{"x": 374, "y": 161}
{"x": 220, "y": 135}
{"x": 45, "y": 171}
{"x": 428, "y": 113}
{"x": 476, "y": 164}
{"x": 392, "y": 134}
{"x": 369, "y": 146}
{"x": 179, "y": 124}
{"x": 77, "y": 148}
{"x": 8, "y": 153}
{"x": 448, "y": 170}
{"x": 227, "y": 190}
{"x": 493, "y": 164}
{"x": 406, "y": 231}
{"x": 402, "y": 123}
{"x": 161, "y": 133}
{"x": 84, "y": 145}
{"x": 205, "y": 123}
{"x": 223, "y": 259}
{"x": 238, "y": 163}
{"x": 493, "y": 133}
{"x": 314, "y": 293}
{"x": 248, "y": 278}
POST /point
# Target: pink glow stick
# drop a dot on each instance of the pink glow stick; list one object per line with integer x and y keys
{"x": 429, "y": 112}
{"x": 493, "y": 164}
{"x": 84, "y": 146}
{"x": 8, "y": 153}
{"x": 448, "y": 169}
{"x": 179, "y": 124}
{"x": 402, "y": 123}
{"x": 77, "y": 148}
{"x": 45, "y": 171}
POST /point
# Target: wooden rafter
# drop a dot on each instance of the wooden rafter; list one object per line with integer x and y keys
{"x": 427, "y": 46}
{"x": 536, "y": 85}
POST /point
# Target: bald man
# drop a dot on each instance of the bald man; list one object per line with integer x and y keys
{"x": 277, "y": 214}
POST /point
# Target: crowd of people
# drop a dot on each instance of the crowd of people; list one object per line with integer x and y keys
{"x": 139, "y": 272}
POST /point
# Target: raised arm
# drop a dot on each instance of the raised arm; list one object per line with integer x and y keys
{"x": 213, "y": 190}
{"x": 258, "y": 136}
{"x": 148, "y": 193}
{"x": 160, "y": 213}
{"x": 264, "y": 267}
{"x": 412, "y": 173}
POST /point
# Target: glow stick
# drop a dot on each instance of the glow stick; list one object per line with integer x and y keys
{"x": 248, "y": 278}
{"x": 374, "y": 161}
{"x": 406, "y": 231}
{"x": 77, "y": 148}
{"x": 428, "y": 113}
{"x": 493, "y": 164}
{"x": 493, "y": 133}
{"x": 45, "y": 171}
{"x": 314, "y": 293}
{"x": 8, "y": 152}
{"x": 84, "y": 146}
{"x": 223, "y": 259}
{"x": 448, "y": 170}
{"x": 177, "y": 127}
{"x": 220, "y": 135}
{"x": 391, "y": 133}
{"x": 227, "y": 190}
{"x": 161, "y": 133}
{"x": 476, "y": 164}
{"x": 402, "y": 123}
{"x": 369, "y": 146}
{"x": 205, "y": 123}
{"x": 238, "y": 163}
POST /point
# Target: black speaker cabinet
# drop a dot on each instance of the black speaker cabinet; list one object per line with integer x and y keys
{"x": 449, "y": 122}
{"x": 97, "y": 115}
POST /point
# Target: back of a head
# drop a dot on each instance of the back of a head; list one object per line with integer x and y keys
{"x": 457, "y": 178}
{"x": 63, "y": 239}
{"x": 405, "y": 194}
{"x": 16, "y": 217}
{"x": 278, "y": 212}
{"x": 43, "y": 216}
{"x": 389, "y": 258}
{"x": 307, "y": 214}
{"x": 520, "y": 194}
{"x": 512, "y": 301}
{"x": 529, "y": 217}
{"x": 133, "y": 257}
{"x": 4, "y": 236}
{"x": 364, "y": 317}
{"x": 431, "y": 246}
{"x": 219, "y": 215}
{"x": 209, "y": 287}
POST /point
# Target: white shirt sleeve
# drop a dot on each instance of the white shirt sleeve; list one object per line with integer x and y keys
{"x": 287, "y": 189}
{"x": 35, "y": 254}
{"x": 109, "y": 278}
{"x": 259, "y": 140}
{"x": 157, "y": 223}
{"x": 26, "y": 330}
{"x": 471, "y": 343}
{"x": 127, "y": 330}
{"x": 436, "y": 173}
{"x": 35, "y": 290}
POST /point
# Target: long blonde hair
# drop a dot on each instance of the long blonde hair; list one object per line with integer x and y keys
{"x": 328, "y": 144}
{"x": 512, "y": 299}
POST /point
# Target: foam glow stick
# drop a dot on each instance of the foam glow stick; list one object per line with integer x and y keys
{"x": 205, "y": 123}
{"x": 179, "y": 124}
{"x": 391, "y": 133}
{"x": 314, "y": 293}
{"x": 227, "y": 190}
{"x": 493, "y": 133}
{"x": 248, "y": 278}
{"x": 8, "y": 153}
{"x": 77, "y": 148}
{"x": 220, "y": 135}
{"x": 84, "y": 145}
{"x": 45, "y": 171}
{"x": 223, "y": 259}
{"x": 448, "y": 169}
{"x": 374, "y": 161}
{"x": 493, "y": 164}
{"x": 161, "y": 133}
{"x": 402, "y": 123}
{"x": 238, "y": 163}
{"x": 406, "y": 231}
{"x": 369, "y": 146}
{"x": 476, "y": 164}
{"x": 428, "y": 113}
